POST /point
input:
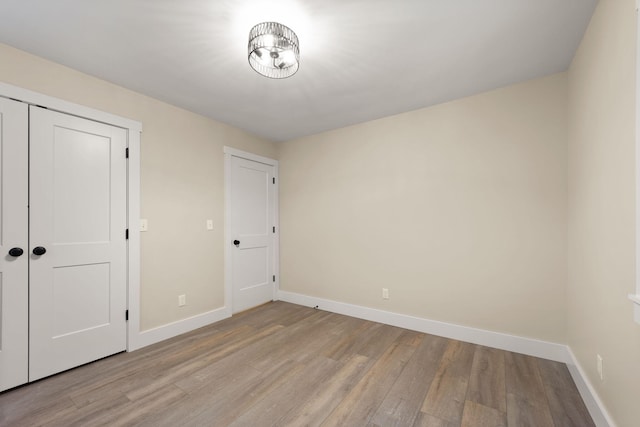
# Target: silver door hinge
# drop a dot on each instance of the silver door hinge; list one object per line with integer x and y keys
{"x": 274, "y": 277}
{"x": 127, "y": 152}
{"x": 126, "y": 315}
{"x": 274, "y": 228}
{"x": 126, "y": 234}
{"x": 274, "y": 180}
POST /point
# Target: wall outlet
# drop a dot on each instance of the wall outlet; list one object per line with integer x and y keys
{"x": 182, "y": 300}
{"x": 144, "y": 225}
{"x": 599, "y": 367}
{"x": 209, "y": 224}
{"x": 385, "y": 293}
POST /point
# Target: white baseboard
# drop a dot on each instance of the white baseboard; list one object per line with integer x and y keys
{"x": 532, "y": 347}
{"x": 591, "y": 399}
{"x": 179, "y": 327}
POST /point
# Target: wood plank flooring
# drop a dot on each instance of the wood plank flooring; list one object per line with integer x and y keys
{"x": 287, "y": 365}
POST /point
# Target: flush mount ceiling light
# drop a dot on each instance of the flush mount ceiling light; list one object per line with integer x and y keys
{"x": 274, "y": 50}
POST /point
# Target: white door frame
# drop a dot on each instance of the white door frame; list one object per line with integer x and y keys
{"x": 636, "y": 297}
{"x": 228, "y": 278}
{"x": 134, "y": 129}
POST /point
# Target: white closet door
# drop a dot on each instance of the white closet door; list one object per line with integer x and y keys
{"x": 78, "y": 215}
{"x": 14, "y": 291}
{"x": 252, "y": 222}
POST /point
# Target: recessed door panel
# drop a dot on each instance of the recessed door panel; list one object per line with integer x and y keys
{"x": 252, "y": 212}
{"x": 256, "y": 266}
{"x": 14, "y": 289}
{"x": 80, "y": 298}
{"x": 78, "y": 215}
{"x": 252, "y": 216}
{"x": 81, "y": 172}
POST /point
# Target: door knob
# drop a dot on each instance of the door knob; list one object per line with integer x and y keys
{"x": 16, "y": 252}
{"x": 236, "y": 242}
{"x": 39, "y": 250}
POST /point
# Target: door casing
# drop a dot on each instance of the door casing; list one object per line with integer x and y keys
{"x": 134, "y": 130}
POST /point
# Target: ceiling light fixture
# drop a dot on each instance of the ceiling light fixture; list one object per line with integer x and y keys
{"x": 274, "y": 50}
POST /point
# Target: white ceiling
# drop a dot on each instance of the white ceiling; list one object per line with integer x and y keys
{"x": 360, "y": 59}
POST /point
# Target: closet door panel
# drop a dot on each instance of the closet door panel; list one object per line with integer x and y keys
{"x": 78, "y": 215}
{"x": 14, "y": 289}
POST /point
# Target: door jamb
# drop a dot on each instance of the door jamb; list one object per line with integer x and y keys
{"x": 134, "y": 130}
{"x": 230, "y": 152}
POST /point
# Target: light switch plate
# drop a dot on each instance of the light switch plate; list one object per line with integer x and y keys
{"x": 209, "y": 224}
{"x": 144, "y": 225}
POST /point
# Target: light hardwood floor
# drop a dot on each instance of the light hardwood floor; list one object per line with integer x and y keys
{"x": 288, "y": 365}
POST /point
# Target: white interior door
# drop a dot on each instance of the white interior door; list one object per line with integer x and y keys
{"x": 78, "y": 215}
{"x": 252, "y": 232}
{"x": 14, "y": 291}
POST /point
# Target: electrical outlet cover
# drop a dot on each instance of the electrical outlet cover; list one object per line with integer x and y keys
{"x": 599, "y": 367}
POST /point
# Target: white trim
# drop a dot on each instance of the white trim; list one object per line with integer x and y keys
{"x": 70, "y": 108}
{"x": 532, "y": 347}
{"x": 591, "y": 399}
{"x": 133, "y": 129}
{"x": 636, "y": 310}
{"x": 249, "y": 156}
{"x": 228, "y": 279}
{"x": 133, "y": 195}
{"x": 228, "y": 284}
{"x": 276, "y": 237}
{"x": 180, "y": 327}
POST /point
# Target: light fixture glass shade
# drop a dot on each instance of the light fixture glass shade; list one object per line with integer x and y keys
{"x": 274, "y": 50}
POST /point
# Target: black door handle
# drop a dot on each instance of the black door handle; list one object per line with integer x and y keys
{"x": 39, "y": 250}
{"x": 236, "y": 242}
{"x": 16, "y": 252}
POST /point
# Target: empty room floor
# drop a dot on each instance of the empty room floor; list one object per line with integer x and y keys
{"x": 288, "y": 365}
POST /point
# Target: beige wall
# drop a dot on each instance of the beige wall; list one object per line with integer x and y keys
{"x": 182, "y": 184}
{"x": 601, "y": 208}
{"x": 458, "y": 209}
